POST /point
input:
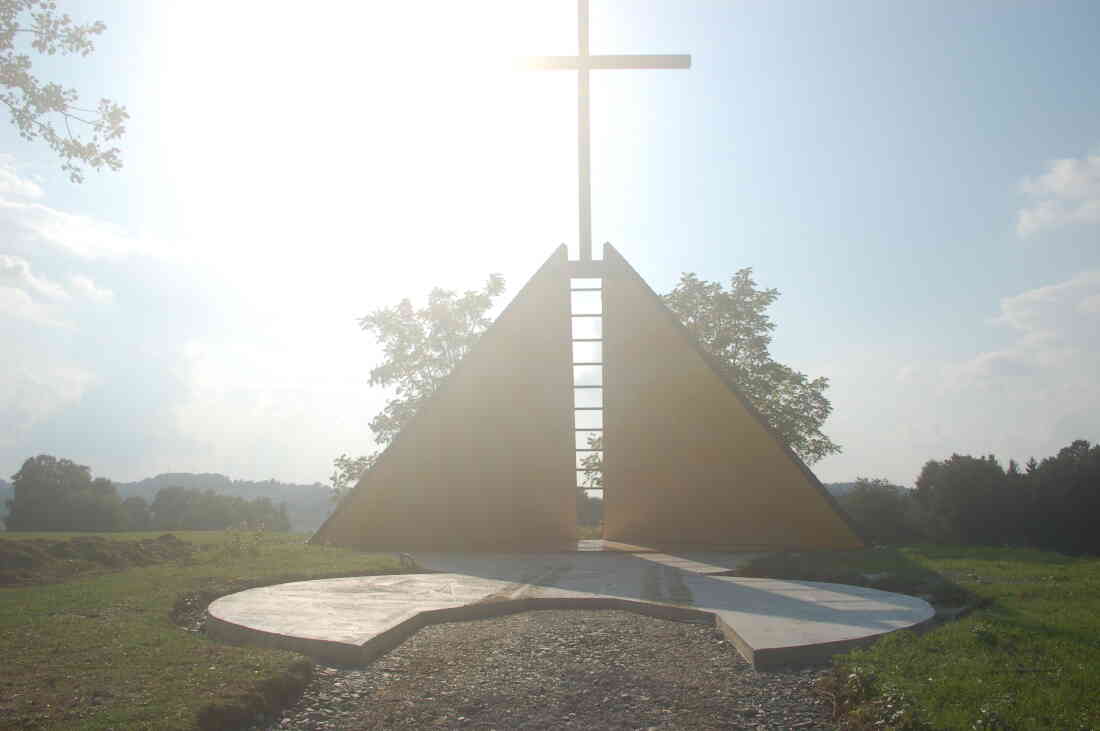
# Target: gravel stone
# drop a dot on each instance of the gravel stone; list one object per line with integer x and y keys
{"x": 583, "y": 669}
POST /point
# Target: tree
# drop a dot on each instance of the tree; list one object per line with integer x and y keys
{"x": 135, "y": 511}
{"x": 964, "y": 496}
{"x": 885, "y": 513}
{"x": 733, "y": 326}
{"x": 589, "y": 508}
{"x": 423, "y": 346}
{"x": 189, "y": 508}
{"x": 592, "y": 464}
{"x": 1066, "y": 492}
{"x": 48, "y": 110}
{"x": 347, "y": 473}
{"x": 54, "y": 494}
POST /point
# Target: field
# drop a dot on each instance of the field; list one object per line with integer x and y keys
{"x": 95, "y": 635}
{"x": 99, "y": 645}
{"x": 1026, "y": 657}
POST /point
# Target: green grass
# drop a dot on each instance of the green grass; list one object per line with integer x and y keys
{"x": 198, "y": 537}
{"x": 102, "y": 651}
{"x": 1028, "y": 657}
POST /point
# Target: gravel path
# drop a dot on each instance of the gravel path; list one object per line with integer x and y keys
{"x": 561, "y": 669}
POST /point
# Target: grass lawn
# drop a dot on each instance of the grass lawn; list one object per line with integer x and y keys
{"x": 98, "y": 648}
{"x": 101, "y": 650}
{"x": 1028, "y": 657}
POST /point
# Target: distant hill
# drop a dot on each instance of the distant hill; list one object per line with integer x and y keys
{"x": 6, "y": 493}
{"x": 307, "y": 506}
{"x": 839, "y": 488}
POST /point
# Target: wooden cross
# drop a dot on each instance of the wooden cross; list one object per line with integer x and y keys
{"x": 584, "y": 62}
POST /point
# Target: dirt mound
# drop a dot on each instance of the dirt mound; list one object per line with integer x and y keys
{"x": 46, "y": 560}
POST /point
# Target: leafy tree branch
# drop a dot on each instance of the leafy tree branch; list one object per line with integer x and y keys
{"x": 48, "y": 110}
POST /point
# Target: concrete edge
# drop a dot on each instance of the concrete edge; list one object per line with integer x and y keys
{"x": 770, "y": 658}
{"x": 339, "y": 653}
{"x": 344, "y": 653}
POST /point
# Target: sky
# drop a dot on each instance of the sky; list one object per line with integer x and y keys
{"x": 920, "y": 181}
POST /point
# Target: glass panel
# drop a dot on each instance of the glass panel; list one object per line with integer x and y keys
{"x": 588, "y": 439}
{"x": 586, "y": 303}
{"x": 588, "y": 375}
{"x": 582, "y": 455}
{"x": 585, "y": 283}
{"x": 587, "y": 352}
{"x": 588, "y": 327}
{"x": 588, "y": 397}
{"x": 589, "y": 419}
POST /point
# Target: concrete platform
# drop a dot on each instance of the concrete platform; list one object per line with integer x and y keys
{"x": 771, "y": 622}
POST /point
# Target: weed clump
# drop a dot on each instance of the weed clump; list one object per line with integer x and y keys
{"x": 861, "y": 704}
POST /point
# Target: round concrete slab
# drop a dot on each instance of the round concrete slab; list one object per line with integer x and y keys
{"x": 771, "y": 622}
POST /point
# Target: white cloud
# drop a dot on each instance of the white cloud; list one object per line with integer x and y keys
{"x": 88, "y": 289}
{"x": 32, "y": 392}
{"x": 16, "y": 273}
{"x": 36, "y": 225}
{"x": 18, "y": 305}
{"x": 1068, "y": 193}
{"x": 12, "y": 184}
{"x": 33, "y": 298}
{"x": 1062, "y": 312}
{"x": 1030, "y": 396}
{"x": 25, "y": 221}
{"x": 1033, "y": 395}
{"x": 28, "y": 297}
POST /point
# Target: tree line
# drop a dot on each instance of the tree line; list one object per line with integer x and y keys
{"x": 52, "y": 494}
{"x": 1053, "y": 504}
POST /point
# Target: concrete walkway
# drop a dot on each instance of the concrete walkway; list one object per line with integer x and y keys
{"x": 771, "y": 622}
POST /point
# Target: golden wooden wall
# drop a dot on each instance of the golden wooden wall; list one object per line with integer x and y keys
{"x": 686, "y": 462}
{"x": 487, "y": 463}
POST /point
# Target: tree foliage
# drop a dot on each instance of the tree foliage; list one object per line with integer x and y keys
{"x": 734, "y": 327}
{"x": 422, "y": 346}
{"x": 188, "y": 508}
{"x": 963, "y": 496}
{"x": 884, "y": 512}
{"x": 1052, "y": 505}
{"x": 54, "y": 494}
{"x": 135, "y": 513}
{"x": 48, "y": 110}
{"x": 592, "y": 464}
{"x": 589, "y": 508}
{"x": 346, "y": 472}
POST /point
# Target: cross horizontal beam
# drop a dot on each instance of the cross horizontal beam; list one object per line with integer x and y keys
{"x": 580, "y": 63}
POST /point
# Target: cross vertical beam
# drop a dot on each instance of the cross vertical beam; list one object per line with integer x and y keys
{"x": 584, "y": 62}
{"x": 584, "y": 150}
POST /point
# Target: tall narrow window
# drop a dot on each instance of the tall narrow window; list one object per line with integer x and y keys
{"x": 586, "y": 305}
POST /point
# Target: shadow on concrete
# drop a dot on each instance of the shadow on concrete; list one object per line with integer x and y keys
{"x": 669, "y": 579}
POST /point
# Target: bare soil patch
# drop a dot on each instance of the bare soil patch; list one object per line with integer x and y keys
{"x": 24, "y": 562}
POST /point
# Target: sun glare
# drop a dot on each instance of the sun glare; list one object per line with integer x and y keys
{"x": 369, "y": 135}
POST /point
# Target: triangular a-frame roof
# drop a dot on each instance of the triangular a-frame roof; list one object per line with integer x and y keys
{"x": 687, "y": 459}
{"x": 488, "y": 462}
